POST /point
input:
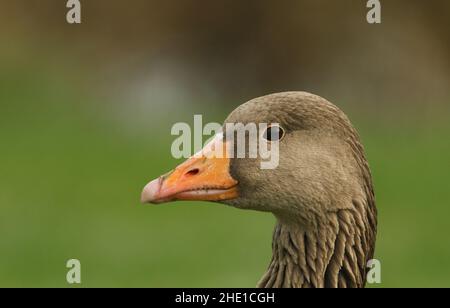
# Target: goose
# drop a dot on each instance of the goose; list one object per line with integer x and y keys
{"x": 321, "y": 192}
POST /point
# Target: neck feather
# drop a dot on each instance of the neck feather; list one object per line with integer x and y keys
{"x": 332, "y": 254}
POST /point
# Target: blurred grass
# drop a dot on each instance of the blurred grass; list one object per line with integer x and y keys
{"x": 70, "y": 188}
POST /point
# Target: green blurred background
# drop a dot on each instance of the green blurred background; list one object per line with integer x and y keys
{"x": 86, "y": 112}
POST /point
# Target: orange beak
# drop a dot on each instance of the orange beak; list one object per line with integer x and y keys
{"x": 205, "y": 176}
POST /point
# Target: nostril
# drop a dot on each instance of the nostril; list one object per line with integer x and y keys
{"x": 192, "y": 172}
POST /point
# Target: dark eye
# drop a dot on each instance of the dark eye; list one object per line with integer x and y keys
{"x": 274, "y": 133}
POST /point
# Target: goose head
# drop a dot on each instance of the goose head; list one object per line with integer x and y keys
{"x": 320, "y": 190}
